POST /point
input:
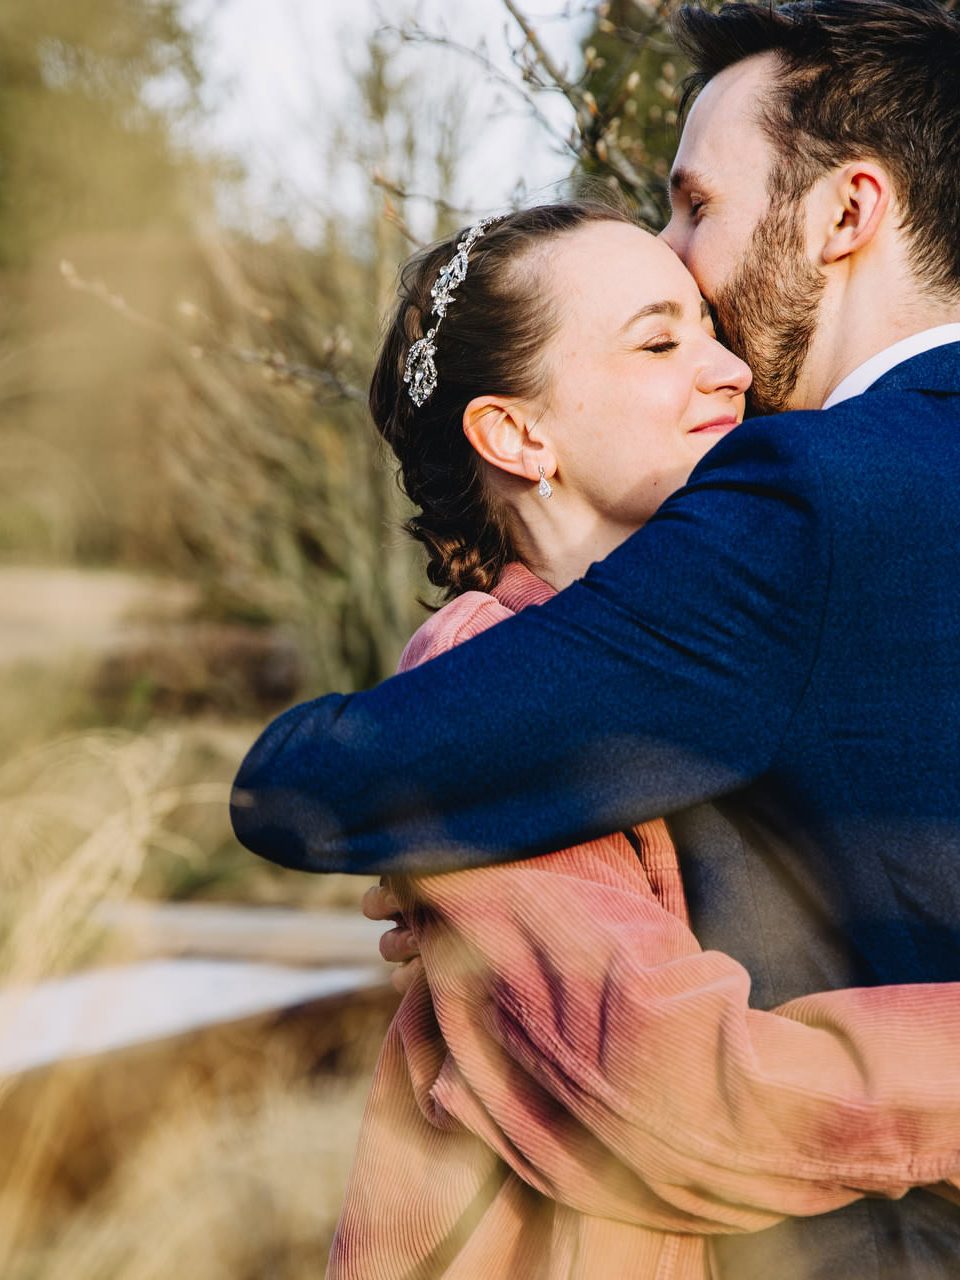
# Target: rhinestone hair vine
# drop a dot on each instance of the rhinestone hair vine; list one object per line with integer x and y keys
{"x": 420, "y": 373}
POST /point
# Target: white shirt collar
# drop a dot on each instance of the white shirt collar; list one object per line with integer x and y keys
{"x": 866, "y": 374}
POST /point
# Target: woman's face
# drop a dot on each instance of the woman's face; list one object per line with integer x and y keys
{"x": 638, "y": 387}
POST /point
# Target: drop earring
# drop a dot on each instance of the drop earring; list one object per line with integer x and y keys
{"x": 544, "y": 488}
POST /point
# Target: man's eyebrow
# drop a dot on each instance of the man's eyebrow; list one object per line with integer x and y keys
{"x": 686, "y": 180}
{"x": 664, "y": 308}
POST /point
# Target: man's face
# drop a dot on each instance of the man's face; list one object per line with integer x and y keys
{"x": 747, "y": 253}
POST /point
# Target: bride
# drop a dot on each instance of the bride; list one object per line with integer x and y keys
{"x": 571, "y": 1087}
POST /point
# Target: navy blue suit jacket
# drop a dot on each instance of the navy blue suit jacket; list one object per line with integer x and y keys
{"x": 773, "y": 661}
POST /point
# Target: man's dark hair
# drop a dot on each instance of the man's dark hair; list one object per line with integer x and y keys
{"x": 876, "y": 79}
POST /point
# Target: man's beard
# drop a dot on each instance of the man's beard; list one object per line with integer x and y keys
{"x": 767, "y": 312}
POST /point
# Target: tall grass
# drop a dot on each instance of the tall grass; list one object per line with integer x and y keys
{"x": 213, "y": 1157}
{"x": 197, "y": 408}
{"x": 177, "y": 432}
{"x": 231, "y": 1192}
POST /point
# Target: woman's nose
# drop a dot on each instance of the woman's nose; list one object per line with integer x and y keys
{"x": 724, "y": 371}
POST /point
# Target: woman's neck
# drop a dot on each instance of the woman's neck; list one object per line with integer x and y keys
{"x": 559, "y": 546}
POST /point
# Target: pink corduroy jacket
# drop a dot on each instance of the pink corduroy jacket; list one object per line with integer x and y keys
{"x": 575, "y": 1090}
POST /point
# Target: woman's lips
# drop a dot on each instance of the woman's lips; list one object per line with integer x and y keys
{"x": 716, "y": 425}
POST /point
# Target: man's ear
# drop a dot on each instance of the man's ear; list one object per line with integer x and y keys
{"x": 501, "y": 432}
{"x": 861, "y": 198}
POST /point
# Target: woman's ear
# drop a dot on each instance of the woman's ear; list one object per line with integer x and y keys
{"x": 500, "y": 432}
{"x": 861, "y": 197}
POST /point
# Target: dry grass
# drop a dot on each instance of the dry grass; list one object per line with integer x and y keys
{"x": 241, "y": 1188}
{"x": 79, "y": 816}
{"x": 168, "y": 435}
{"x": 226, "y": 1160}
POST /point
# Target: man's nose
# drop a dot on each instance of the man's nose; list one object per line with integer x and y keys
{"x": 671, "y": 238}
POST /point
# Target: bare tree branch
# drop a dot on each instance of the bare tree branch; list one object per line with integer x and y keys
{"x": 570, "y": 91}
{"x": 291, "y": 372}
{"x": 275, "y": 362}
{"x": 417, "y": 35}
{"x": 401, "y": 193}
{"x": 97, "y": 289}
{"x": 395, "y": 218}
{"x": 596, "y": 137}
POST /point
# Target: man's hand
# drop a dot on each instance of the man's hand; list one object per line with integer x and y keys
{"x": 397, "y": 946}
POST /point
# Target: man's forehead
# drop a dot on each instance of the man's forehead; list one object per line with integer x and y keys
{"x": 724, "y": 119}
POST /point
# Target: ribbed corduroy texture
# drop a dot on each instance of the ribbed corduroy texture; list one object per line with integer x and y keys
{"x": 580, "y": 1090}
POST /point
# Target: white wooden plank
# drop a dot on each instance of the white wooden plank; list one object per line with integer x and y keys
{"x": 108, "y": 1009}
{"x": 283, "y": 934}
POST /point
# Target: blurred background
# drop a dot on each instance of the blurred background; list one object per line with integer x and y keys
{"x": 203, "y": 206}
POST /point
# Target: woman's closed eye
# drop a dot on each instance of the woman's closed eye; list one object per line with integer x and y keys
{"x": 660, "y": 345}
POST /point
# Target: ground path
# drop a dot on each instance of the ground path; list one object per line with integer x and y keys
{"x": 190, "y": 966}
{"x": 48, "y": 614}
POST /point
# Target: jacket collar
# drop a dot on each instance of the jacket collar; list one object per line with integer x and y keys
{"x": 936, "y": 370}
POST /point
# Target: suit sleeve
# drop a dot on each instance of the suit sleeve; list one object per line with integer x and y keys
{"x": 667, "y": 676}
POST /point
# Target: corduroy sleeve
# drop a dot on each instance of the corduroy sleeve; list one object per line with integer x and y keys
{"x": 620, "y": 1070}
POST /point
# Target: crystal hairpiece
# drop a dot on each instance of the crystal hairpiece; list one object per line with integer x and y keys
{"x": 420, "y": 373}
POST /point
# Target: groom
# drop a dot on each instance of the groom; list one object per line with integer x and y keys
{"x": 774, "y": 659}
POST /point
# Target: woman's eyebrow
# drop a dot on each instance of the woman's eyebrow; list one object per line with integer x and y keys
{"x": 664, "y": 308}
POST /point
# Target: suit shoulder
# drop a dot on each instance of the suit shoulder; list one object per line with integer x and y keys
{"x": 783, "y": 452}
{"x": 464, "y": 617}
{"x": 806, "y": 446}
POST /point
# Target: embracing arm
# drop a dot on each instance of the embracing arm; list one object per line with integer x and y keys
{"x": 619, "y": 1069}
{"x": 591, "y": 1045}
{"x": 665, "y": 677}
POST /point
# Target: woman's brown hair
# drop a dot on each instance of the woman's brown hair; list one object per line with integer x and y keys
{"x": 490, "y": 343}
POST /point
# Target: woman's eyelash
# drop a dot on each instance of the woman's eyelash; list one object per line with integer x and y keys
{"x": 667, "y": 344}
